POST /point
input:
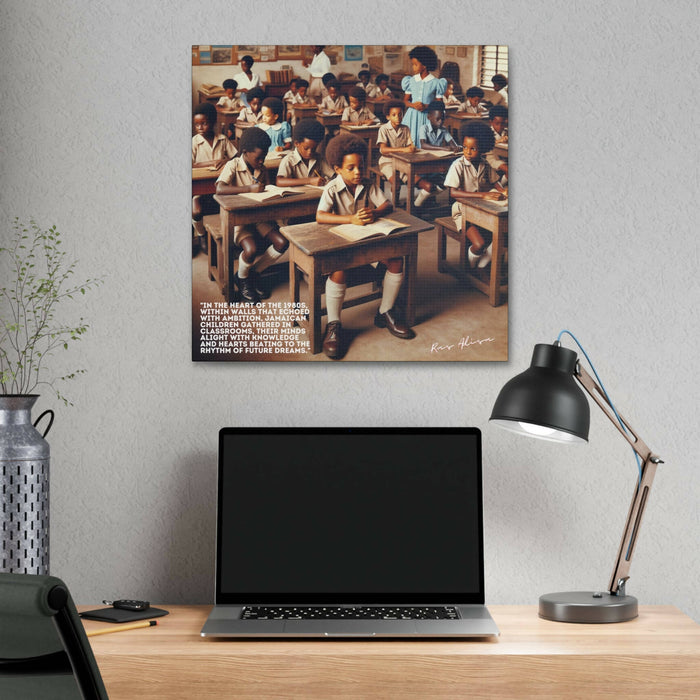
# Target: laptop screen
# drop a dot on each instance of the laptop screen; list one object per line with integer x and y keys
{"x": 351, "y": 515}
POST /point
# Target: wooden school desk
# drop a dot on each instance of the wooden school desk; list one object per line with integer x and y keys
{"x": 236, "y": 210}
{"x": 454, "y": 121}
{"x": 501, "y": 150}
{"x": 656, "y": 655}
{"x": 226, "y": 117}
{"x": 493, "y": 217}
{"x": 315, "y": 251}
{"x": 417, "y": 163}
{"x": 204, "y": 180}
{"x": 368, "y": 134}
{"x": 329, "y": 120}
{"x": 304, "y": 111}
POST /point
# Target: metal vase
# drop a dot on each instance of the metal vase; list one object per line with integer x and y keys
{"x": 24, "y": 477}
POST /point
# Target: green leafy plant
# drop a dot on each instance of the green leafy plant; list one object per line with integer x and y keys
{"x": 41, "y": 279}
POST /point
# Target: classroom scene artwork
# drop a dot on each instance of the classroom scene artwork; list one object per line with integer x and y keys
{"x": 350, "y": 203}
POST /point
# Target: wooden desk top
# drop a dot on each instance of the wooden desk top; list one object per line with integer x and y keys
{"x": 206, "y": 173}
{"x": 424, "y": 156}
{"x": 238, "y": 202}
{"x": 361, "y": 130}
{"x": 656, "y": 655}
{"x": 488, "y": 206}
{"x": 314, "y": 239}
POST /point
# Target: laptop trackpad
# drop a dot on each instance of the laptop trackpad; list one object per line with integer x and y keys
{"x": 350, "y": 628}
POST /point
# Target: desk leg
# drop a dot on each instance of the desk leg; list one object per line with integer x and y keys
{"x": 395, "y": 188}
{"x": 409, "y": 188}
{"x": 226, "y": 258}
{"x": 410, "y": 276}
{"x": 315, "y": 291}
{"x": 496, "y": 265}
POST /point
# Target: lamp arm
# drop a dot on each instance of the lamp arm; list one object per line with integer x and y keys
{"x": 641, "y": 493}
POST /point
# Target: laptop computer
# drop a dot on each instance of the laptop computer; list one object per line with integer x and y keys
{"x": 349, "y": 532}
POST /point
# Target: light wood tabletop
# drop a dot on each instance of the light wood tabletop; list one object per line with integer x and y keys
{"x": 656, "y": 655}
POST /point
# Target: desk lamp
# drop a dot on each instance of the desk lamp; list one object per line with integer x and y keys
{"x": 546, "y": 402}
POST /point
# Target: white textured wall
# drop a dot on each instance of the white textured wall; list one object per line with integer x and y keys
{"x": 95, "y": 138}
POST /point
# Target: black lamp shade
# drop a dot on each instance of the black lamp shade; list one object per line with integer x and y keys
{"x": 545, "y": 400}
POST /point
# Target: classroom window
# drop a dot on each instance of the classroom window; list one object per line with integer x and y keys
{"x": 494, "y": 59}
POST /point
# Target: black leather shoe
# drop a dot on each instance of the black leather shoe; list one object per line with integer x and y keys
{"x": 261, "y": 288}
{"x": 389, "y": 321}
{"x": 247, "y": 289}
{"x": 331, "y": 341}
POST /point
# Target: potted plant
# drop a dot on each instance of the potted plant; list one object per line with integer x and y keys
{"x": 40, "y": 275}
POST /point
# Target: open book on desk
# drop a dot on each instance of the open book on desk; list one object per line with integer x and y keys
{"x": 381, "y": 227}
{"x": 273, "y": 192}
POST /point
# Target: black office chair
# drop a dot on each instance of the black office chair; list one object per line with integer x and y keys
{"x": 44, "y": 652}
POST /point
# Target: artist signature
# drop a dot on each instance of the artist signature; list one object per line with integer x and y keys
{"x": 463, "y": 344}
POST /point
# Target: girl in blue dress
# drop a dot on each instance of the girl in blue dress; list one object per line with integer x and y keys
{"x": 421, "y": 88}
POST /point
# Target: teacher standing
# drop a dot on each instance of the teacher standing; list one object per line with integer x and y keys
{"x": 421, "y": 88}
{"x": 246, "y": 79}
{"x": 319, "y": 65}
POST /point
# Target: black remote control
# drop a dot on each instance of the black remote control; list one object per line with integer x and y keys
{"x": 132, "y": 605}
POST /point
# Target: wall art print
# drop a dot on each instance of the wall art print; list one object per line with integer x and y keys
{"x": 365, "y": 219}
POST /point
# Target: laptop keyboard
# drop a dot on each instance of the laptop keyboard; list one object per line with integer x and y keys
{"x": 361, "y": 612}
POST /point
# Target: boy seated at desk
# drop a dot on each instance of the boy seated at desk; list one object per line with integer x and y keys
{"x": 279, "y": 131}
{"x": 303, "y": 98}
{"x": 261, "y": 243}
{"x": 348, "y": 199}
{"x": 290, "y": 97}
{"x": 471, "y": 104}
{"x": 229, "y": 102}
{"x": 252, "y": 114}
{"x": 498, "y": 116}
{"x": 209, "y": 150}
{"x": 334, "y": 102}
{"x": 366, "y": 84}
{"x": 451, "y": 100}
{"x": 383, "y": 91}
{"x": 470, "y": 178}
{"x": 358, "y": 114}
{"x": 303, "y": 166}
{"x": 395, "y": 137}
{"x": 434, "y": 136}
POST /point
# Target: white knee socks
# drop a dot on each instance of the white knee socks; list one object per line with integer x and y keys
{"x": 266, "y": 259}
{"x": 391, "y": 286}
{"x": 335, "y": 295}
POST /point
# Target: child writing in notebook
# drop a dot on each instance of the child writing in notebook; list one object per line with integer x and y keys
{"x": 279, "y": 131}
{"x": 348, "y": 199}
{"x": 252, "y": 113}
{"x": 383, "y": 91}
{"x": 395, "y": 137}
{"x": 303, "y": 166}
{"x": 229, "y": 101}
{"x": 208, "y": 150}
{"x": 471, "y": 105}
{"x": 471, "y": 177}
{"x": 433, "y": 135}
{"x": 262, "y": 244}
{"x": 334, "y": 102}
{"x": 357, "y": 112}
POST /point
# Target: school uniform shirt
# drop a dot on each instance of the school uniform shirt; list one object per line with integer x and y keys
{"x": 496, "y": 98}
{"x": 336, "y": 105}
{"x": 386, "y": 92}
{"x": 246, "y": 83}
{"x": 394, "y": 138}
{"x": 237, "y": 173}
{"x": 441, "y": 137}
{"x": 370, "y": 89}
{"x": 290, "y": 97}
{"x": 359, "y": 115}
{"x": 228, "y": 104}
{"x": 220, "y": 149}
{"x": 279, "y": 133}
{"x": 463, "y": 175}
{"x": 452, "y": 101}
{"x": 337, "y": 198}
{"x": 248, "y": 115}
{"x": 293, "y": 166}
{"x": 498, "y": 136}
{"x": 466, "y": 107}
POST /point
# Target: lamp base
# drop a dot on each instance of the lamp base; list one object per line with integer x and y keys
{"x": 587, "y": 607}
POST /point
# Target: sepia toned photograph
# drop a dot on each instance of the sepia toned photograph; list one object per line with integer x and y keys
{"x": 350, "y": 203}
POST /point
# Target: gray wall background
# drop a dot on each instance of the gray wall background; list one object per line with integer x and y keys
{"x": 95, "y": 138}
